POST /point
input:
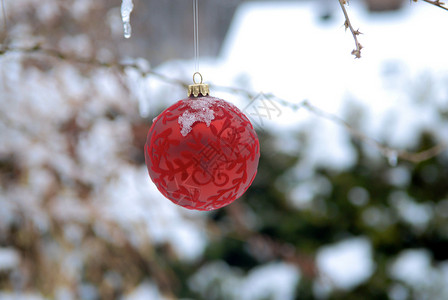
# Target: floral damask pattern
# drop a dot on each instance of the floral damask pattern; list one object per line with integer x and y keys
{"x": 209, "y": 167}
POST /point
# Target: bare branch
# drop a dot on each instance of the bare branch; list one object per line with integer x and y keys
{"x": 414, "y": 157}
{"x": 386, "y": 151}
{"x": 348, "y": 25}
{"x": 436, "y": 3}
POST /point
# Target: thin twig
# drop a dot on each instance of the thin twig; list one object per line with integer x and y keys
{"x": 348, "y": 25}
{"x": 415, "y": 157}
{"x": 436, "y": 3}
{"x": 386, "y": 151}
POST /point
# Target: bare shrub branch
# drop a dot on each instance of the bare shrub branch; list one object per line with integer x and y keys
{"x": 348, "y": 25}
{"x": 436, "y": 3}
{"x": 387, "y": 152}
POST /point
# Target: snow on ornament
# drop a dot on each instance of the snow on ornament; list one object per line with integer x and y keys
{"x": 202, "y": 152}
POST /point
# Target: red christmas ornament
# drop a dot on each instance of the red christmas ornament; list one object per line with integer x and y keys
{"x": 202, "y": 152}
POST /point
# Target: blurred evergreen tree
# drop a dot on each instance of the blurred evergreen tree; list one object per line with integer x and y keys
{"x": 285, "y": 233}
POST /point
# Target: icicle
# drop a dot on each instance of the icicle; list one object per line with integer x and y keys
{"x": 392, "y": 158}
{"x": 126, "y": 8}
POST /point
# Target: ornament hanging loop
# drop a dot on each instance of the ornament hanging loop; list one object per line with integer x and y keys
{"x": 197, "y": 89}
{"x": 194, "y": 77}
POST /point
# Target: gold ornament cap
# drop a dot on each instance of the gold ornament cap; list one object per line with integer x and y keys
{"x": 197, "y": 89}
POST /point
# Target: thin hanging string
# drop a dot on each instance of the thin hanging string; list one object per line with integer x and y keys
{"x": 196, "y": 34}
